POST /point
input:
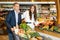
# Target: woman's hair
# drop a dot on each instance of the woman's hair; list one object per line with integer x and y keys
{"x": 30, "y": 14}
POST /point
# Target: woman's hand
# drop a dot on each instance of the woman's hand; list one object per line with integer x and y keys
{"x": 23, "y": 20}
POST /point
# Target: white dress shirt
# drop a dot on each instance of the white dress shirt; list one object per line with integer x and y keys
{"x": 16, "y": 17}
{"x": 33, "y": 18}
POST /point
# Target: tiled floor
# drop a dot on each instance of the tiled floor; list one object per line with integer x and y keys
{"x": 3, "y": 37}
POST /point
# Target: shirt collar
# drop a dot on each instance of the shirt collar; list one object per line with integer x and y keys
{"x": 16, "y": 12}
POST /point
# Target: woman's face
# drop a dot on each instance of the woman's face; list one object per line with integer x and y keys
{"x": 32, "y": 9}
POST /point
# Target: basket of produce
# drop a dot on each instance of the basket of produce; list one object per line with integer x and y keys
{"x": 26, "y": 33}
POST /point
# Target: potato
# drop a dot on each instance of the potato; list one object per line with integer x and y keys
{"x": 33, "y": 38}
{"x": 39, "y": 38}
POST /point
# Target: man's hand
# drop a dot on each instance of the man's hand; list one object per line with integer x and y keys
{"x": 12, "y": 29}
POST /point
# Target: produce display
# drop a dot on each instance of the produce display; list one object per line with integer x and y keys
{"x": 49, "y": 25}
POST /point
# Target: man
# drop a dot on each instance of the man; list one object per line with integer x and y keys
{"x": 13, "y": 18}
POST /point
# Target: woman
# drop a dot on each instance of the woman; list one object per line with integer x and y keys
{"x": 30, "y": 16}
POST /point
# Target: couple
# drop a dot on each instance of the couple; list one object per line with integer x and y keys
{"x": 14, "y": 18}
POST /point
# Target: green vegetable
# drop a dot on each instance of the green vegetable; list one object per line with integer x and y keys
{"x": 55, "y": 28}
{"x": 24, "y": 26}
{"x": 58, "y": 30}
{"x": 41, "y": 28}
{"x": 34, "y": 34}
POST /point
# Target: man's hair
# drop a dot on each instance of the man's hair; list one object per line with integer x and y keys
{"x": 15, "y": 3}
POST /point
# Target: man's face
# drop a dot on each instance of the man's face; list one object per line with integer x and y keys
{"x": 16, "y": 7}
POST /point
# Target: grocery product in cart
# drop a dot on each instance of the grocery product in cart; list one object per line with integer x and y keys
{"x": 28, "y": 33}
